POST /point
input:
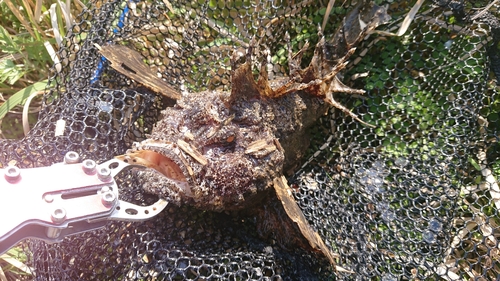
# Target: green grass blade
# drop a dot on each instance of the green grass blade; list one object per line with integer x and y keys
{"x": 21, "y": 96}
{"x": 474, "y": 164}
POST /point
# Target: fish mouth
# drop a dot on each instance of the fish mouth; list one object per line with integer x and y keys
{"x": 164, "y": 159}
{"x": 157, "y": 161}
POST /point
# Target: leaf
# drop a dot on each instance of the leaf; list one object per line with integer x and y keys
{"x": 21, "y": 96}
{"x": 129, "y": 63}
{"x": 284, "y": 193}
{"x": 10, "y": 72}
{"x": 17, "y": 13}
{"x": 2, "y": 275}
{"x": 16, "y": 263}
{"x": 409, "y": 17}
{"x": 360, "y": 22}
{"x": 474, "y": 164}
{"x": 6, "y": 42}
{"x": 327, "y": 14}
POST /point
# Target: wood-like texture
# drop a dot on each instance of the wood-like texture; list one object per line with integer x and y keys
{"x": 129, "y": 63}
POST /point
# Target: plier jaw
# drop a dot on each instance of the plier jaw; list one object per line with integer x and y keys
{"x": 50, "y": 203}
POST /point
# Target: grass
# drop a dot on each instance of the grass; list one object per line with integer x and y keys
{"x": 30, "y": 33}
{"x": 13, "y": 267}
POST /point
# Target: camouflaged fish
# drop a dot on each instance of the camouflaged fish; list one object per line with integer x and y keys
{"x": 227, "y": 151}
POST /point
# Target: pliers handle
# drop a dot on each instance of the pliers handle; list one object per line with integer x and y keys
{"x": 50, "y": 203}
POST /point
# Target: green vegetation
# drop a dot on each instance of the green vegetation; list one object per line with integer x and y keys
{"x": 29, "y": 36}
{"x": 423, "y": 90}
{"x": 12, "y": 265}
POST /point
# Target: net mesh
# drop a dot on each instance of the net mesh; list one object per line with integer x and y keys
{"x": 416, "y": 197}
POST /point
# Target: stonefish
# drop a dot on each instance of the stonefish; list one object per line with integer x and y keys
{"x": 228, "y": 151}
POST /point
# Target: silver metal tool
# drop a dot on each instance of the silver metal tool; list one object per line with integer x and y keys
{"x": 50, "y": 203}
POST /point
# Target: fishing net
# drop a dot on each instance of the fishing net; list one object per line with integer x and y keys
{"x": 416, "y": 197}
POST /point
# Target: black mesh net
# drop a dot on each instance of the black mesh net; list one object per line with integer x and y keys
{"x": 416, "y": 197}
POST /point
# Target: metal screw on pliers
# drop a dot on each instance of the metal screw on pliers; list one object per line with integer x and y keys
{"x": 103, "y": 173}
{"x": 88, "y": 167}
{"x": 12, "y": 174}
{"x": 71, "y": 157}
{"x": 58, "y": 215}
{"x": 107, "y": 196}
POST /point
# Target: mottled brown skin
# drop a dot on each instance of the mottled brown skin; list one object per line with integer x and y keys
{"x": 234, "y": 174}
{"x": 227, "y": 151}
{"x": 221, "y": 150}
{"x": 242, "y": 146}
